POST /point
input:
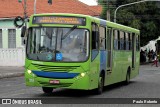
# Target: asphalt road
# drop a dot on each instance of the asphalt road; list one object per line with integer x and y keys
{"x": 145, "y": 85}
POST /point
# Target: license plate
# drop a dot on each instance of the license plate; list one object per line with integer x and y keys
{"x": 54, "y": 82}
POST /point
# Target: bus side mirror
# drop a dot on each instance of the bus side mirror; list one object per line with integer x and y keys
{"x": 95, "y": 36}
{"x": 24, "y": 34}
{"x": 24, "y": 41}
{"x": 23, "y": 31}
{"x": 18, "y": 22}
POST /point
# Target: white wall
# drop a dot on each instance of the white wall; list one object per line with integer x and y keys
{"x": 149, "y": 46}
{"x": 12, "y": 57}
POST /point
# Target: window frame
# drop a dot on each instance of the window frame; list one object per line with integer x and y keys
{"x": 13, "y": 31}
{"x": 1, "y": 38}
{"x": 102, "y": 38}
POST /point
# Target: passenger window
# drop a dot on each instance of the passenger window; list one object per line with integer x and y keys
{"x": 124, "y": 41}
{"x": 137, "y": 43}
{"x": 127, "y": 41}
{"x": 121, "y": 40}
{"x": 130, "y": 41}
{"x": 118, "y": 35}
{"x": 115, "y": 39}
{"x": 95, "y": 37}
{"x": 102, "y": 32}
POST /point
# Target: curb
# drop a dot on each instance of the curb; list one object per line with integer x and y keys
{"x": 11, "y": 75}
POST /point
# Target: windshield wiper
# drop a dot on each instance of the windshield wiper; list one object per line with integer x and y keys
{"x": 74, "y": 27}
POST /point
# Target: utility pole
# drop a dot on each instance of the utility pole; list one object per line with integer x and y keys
{"x": 25, "y": 12}
{"x": 108, "y": 11}
{"x": 35, "y": 2}
{"x": 129, "y": 5}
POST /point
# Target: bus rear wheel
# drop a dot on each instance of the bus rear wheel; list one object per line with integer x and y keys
{"x": 127, "y": 77}
{"x": 47, "y": 90}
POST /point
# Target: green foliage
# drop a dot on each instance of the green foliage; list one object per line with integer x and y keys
{"x": 19, "y": 1}
{"x": 100, "y": 2}
{"x": 144, "y": 16}
{"x": 104, "y": 13}
{"x": 104, "y": 9}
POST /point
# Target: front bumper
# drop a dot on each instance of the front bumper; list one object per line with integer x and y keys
{"x": 70, "y": 80}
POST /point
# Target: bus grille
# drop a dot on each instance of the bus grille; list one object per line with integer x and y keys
{"x": 56, "y": 68}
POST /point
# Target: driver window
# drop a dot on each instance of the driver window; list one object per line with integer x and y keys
{"x": 102, "y": 38}
{"x": 95, "y": 37}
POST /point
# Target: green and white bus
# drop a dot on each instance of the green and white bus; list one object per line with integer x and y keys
{"x": 77, "y": 51}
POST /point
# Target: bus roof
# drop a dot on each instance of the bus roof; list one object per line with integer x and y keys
{"x": 118, "y": 26}
{"x": 122, "y": 27}
{"x": 63, "y": 14}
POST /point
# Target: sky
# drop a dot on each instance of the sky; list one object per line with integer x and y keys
{"x": 89, "y": 2}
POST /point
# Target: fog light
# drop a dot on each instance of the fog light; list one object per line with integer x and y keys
{"x": 83, "y": 74}
{"x": 29, "y": 71}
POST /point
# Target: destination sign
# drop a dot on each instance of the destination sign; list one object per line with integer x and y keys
{"x": 58, "y": 20}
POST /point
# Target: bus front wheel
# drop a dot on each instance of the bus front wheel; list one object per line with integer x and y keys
{"x": 99, "y": 90}
{"x": 47, "y": 90}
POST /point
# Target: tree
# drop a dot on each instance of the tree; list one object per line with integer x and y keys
{"x": 143, "y": 16}
{"x": 107, "y": 4}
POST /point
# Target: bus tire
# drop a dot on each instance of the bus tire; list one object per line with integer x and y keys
{"x": 47, "y": 90}
{"x": 99, "y": 90}
{"x": 127, "y": 81}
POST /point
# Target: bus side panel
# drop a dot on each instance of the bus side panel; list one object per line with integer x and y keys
{"x": 135, "y": 71}
{"x": 126, "y": 64}
{"x": 121, "y": 62}
{"x": 117, "y": 68}
{"x": 94, "y": 72}
{"x": 103, "y": 61}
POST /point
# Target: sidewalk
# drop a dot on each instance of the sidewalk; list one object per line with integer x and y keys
{"x": 8, "y": 72}
{"x": 149, "y": 67}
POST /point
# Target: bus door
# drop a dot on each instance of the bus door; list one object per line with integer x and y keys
{"x": 133, "y": 50}
{"x": 103, "y": 52}
{"x": 109, "y": 50}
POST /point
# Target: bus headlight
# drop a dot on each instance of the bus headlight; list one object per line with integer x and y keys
{"x": 83, "y": 74}
{"x": 29, "y": 71}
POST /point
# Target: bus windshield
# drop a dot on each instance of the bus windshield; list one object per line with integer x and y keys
{"x": 45, "y": 43}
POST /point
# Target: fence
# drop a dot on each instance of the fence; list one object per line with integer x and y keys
{"x": 12, "y": 57}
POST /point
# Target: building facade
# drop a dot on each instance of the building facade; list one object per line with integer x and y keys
{"x": 9, "y": 35}
{"x": 12, "y": 50}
